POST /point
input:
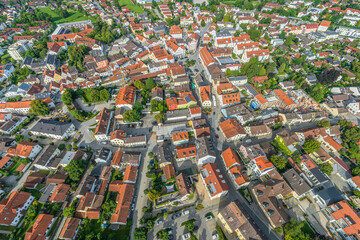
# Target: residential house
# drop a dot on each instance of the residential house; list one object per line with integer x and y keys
{"x": 235, "y": 221}
{"x": 214, "y": 181}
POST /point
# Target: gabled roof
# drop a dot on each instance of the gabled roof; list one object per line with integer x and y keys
{"x": 230, "y": 157}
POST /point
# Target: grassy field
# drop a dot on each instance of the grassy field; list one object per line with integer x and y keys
{"x": 74, "y": 16}
{"x": 131, "y": 6}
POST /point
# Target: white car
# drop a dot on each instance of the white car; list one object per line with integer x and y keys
{"x": 186, "y": 212}
{"x": 186, "y": 236}
{"x": 215, "y": 236}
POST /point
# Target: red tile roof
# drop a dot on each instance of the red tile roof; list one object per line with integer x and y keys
{"x": 230, "y": 157}
{"x": 213, "y": 179}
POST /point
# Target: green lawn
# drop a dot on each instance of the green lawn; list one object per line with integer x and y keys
{"x": 74, "y": 16}
{"x": 131, "y": 6}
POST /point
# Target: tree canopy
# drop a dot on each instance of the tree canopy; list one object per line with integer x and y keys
{"x": 311, "y": 145}
{"x": 326, "y": 168}
{"x": 39, "y": 107}
{"x": 279, "y": 162}
{"x": 76, "y": 169}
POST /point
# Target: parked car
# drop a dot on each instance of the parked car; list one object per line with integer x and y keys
{"x": 208, "y": 218}
{"x": 159, "y": 222}
{"x": 217, "y": 136}
{"x": 186, "y": 236}
{"x": 175, "y": 216}
{"x": 215, "y": 236}
{"x": 186, "y": 212}
{"x": 196, "y": 228}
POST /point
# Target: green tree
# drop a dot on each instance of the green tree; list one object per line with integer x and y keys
{"x": 68, "y": 147}
{"x": 140, "y": 233}
{"x": 199, "y": 207}
{"x": 61, "y": 147}
{"x": 104, "y": 95}
{"x": 282, "y": 68}
{"x": 69, "y": 211}
{"x": 326, "y": 168}
{"x": 227, "y": 17}
{"x": 19, "y": 138}
{"x": 159, "y": 116}
{"x": 76, "y": 169}
{"x": 163, "y": 234}
{"x": 293, "y": 229}
{"x": 39, "y": 107}
{"x": 356, "y": 171}
{"x": 150, "y": 84}
{"x": 139, "y": 85}
{"x": 311, "y": 145}
{"x": 189, "y": 225}
{"x": 202, "y": 24}
{"x": 356, "y": 193}
{"x": 324, "y": 124}
{"x": 153, "y": 195}
{"x": 279, "y": 162}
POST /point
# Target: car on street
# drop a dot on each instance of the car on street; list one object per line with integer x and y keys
{"x": 196, "y": 228}
{"x": 175, "y": 216}
{"x": 208, "y": 218}
{"x": 159, "y": 222}
{"x": 217, "y": 136}
{"x": 218, "y": 128}
{"x": 214, "y": 113}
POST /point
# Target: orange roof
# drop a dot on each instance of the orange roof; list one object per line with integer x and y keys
{"x": 261, "y": 99}
{"x": 256, "y": 53}
{"x": 230, "y": 157}
{"x": 130, "y": 174}
{"x": 180, "y": 136}
{"x": 333, "y": 143}
{"x": 237, "y": 172}
{"x": 39, "y": 228}
{"x": 69, "y": 229}
{"x": 309, "y": 163}
{"x": 213, "y": 179}
{"x": 263, "y": 163}
{"x": 356, "y": 180}
{"x": 325, "y": 23}
{"x": 169, "y": 172}
{"x": 284, "y": 97}
{"x": 22, "y": 149}
{"x": 344, "y": 212}
{"x": 117, "y": 158}
{"x": 231, "y": 128}
{"x": 206, "y": 57}
{"x": 126, "y": 95}
{"x": 5, "y": 160}
{"x": 9, "y": 206}
{"x": 60, "y": 193}
{"x": 123, "y": 200}
{"x": 195, "y": 109}
{"x": 186, "y": 151}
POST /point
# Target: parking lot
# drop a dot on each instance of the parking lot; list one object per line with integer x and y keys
{"x": 204, "y": 228}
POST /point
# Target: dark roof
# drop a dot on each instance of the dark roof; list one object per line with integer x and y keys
{"x": 51, "y": 127}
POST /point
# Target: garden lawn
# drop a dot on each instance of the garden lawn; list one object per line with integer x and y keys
{"x": 129, "y": 4}
{"x": 74, "y": 16}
